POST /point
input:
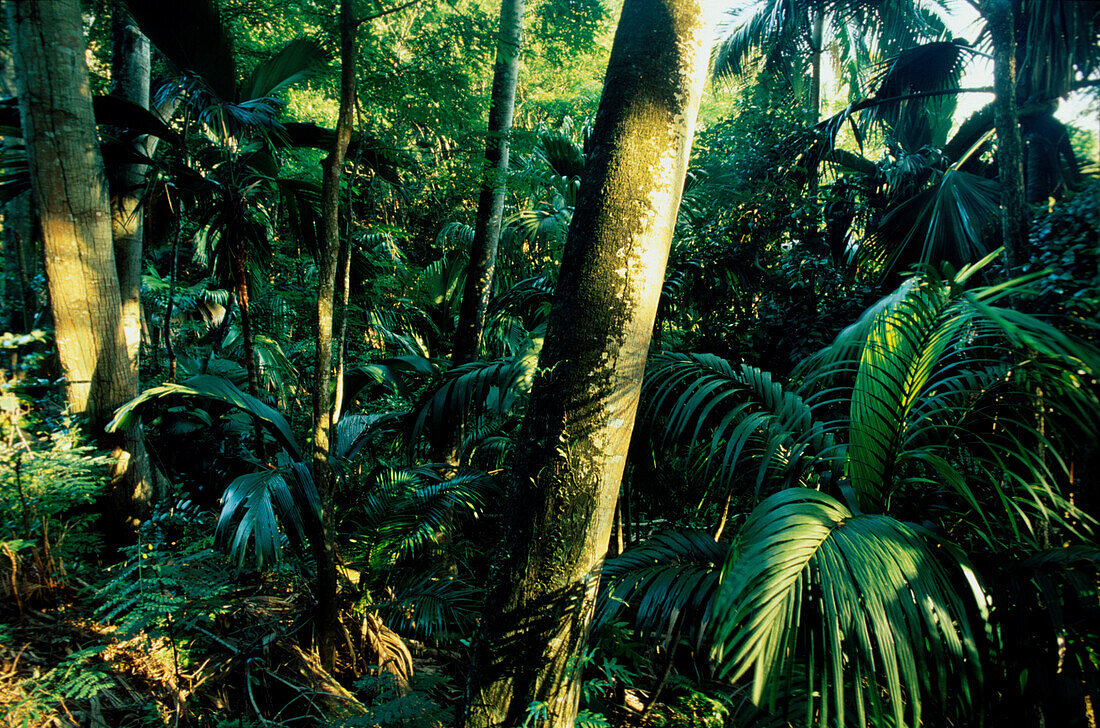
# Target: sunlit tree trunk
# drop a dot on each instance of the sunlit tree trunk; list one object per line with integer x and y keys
{"x": 573, "y": 448}
{"x": 490, "y": 206}
{"x": 323, "y": 430}
{"x": 1010, "y": 149}
{"x": 70, "y": 190}
{"x": 130, "y": 69}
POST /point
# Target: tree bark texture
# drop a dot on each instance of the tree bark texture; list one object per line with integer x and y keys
{"x": 490, "y": 206}
{"x": 573, "y": 448}
{"x": 1010, "y": 148}
{"x": 817, "y": 50}
{"x": 323, "y": 431}
{"x": 130, "y": 72}
{"x": 69, "y": 186}
{"x": 70, "y": 190}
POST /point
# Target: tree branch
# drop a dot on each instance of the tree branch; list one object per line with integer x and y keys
{"x": 384, "y": 13}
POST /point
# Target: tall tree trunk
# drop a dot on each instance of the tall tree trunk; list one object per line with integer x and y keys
{"x": 490, "y": 206}
{"x": 817, "y": 50}
{"x": 323, "y": 431}
{"x": 570, "y": 459}
{"x": 342, "y": 329}
{"x": 1010, "y": 149}
{"x": 239, "y": 263}
{"x": 68, "y": 182}
{"x": 130, "y": 69}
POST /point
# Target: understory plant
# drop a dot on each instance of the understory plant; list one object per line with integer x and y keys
{"x": 913, "y": 492}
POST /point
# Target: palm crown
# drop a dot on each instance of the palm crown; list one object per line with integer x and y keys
{"x": 928, "y": 437}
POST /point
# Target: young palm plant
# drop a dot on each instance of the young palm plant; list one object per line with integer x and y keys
{"x": 935, "y": 434}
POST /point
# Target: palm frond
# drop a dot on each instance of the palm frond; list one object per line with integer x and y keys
{"x": 437, "y": 606}
{"x": 561, "y": 154}
{"x": 750, "y": 30}
{"x": 861, "y": 601}
{"x": 253, "y": 507}
{"x": 414, "y": 507}
{"x": 743, "y": 412}
{"x": 950, "y": 220}
{"x": 207, "y": 386}
{"x": 297, "y": 61}
{"x": 495, "y": 386}
{"x": 525, "y": 298}
{"x": 668, "y": 581}
{"x": 395, "y": 374}
{"x": 353, "y": 432}
{"x": 904, "y": 345}
{"x": 927, "y": 69}
{"x": 937, "y": 370}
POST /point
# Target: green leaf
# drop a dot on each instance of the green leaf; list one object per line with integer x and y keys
{"x": 297, "y": 61}
{"x": 207, "y": 386}
{"x": 860, "y": 602}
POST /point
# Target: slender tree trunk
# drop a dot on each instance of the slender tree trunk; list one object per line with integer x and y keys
{"x": 575, "y": 438}
{"x": 240, "y": 285}
{"x": 490, "y": 206}
{"x": 1010, "y": 148}
{"x": 817, "y": 50}
{"x": 323, "y": 431}
{"x": 239, "y": 264}
{"x": 490, "y": 213}
{"x": 169, "y": 346}
{"x": 342, "y": 330}
{"x": 130, "y": 69}
{"x": 69, "y": 185}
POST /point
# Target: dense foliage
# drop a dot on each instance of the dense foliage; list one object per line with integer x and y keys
{"x": 862, "y": 487}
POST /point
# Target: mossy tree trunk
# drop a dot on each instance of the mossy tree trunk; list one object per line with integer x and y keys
{"x": 323, "y": 430}
{"x": 69, "y": 185}
{"x": 490, "y": 206}
{"x": 813, "y": 110}
{"x": 573, "y": 448}
{"x": 1010, "y": 148}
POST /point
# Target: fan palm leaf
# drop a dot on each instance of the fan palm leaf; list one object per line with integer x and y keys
{"x": 295, "y": 62}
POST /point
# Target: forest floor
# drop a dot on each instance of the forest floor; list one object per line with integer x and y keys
{"x": 81, "y": 655}
{"x": 66, "y": 660}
